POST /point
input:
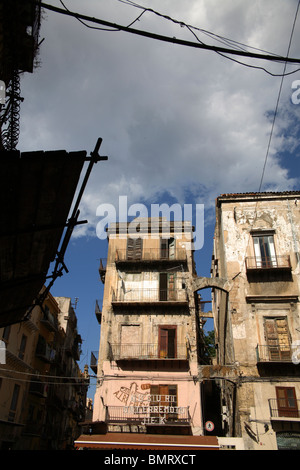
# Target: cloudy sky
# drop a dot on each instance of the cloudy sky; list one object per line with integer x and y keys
{"x": 178, "y": 124}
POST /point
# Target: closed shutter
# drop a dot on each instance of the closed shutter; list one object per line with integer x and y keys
{"x": 134, "y": 248}
{"x": 277, "y": 337}
{"x": 167, "y": 342}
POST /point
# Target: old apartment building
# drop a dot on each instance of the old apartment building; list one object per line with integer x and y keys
{"x": 147, "y": 367}
{"x": 257, "y": 317}
{"x": 42, "y": 390}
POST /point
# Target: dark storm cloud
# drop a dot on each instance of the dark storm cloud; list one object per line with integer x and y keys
{"x": 172, "y": 119}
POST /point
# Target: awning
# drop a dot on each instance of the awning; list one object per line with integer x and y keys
{"x": 36, "y": 196}
{"x": 144, "y": 442}
{"x": 36, "y": 193}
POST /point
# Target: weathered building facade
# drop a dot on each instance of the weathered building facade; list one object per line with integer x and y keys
{"x": 42, "y": 390}
{"x": 148, "y": 360}
{"x": 257, "y": 317}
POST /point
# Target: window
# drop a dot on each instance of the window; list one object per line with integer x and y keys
{"x": 6, "y": 333}
{"x": 264, "y": 250}
{"x": 134, "y": 248}
{"x": 165, "y": 397}
{"x": 167, "y": 286}
{"x": 22, "y": 347}
{"x": 286, "y": 402}
{"x": 277, "y": 338}
{"x": 14, "y": 402}
{"x": 130, "y": 341}
{"x": 167, "y": 248}
{"x": 167, "y": 342}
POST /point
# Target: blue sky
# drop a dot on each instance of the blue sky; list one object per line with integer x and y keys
{"x": 178, "y": 124}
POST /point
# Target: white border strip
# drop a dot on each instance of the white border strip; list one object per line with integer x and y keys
{"x": 146, "y": 444}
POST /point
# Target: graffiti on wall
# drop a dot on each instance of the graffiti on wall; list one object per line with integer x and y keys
{"x": 146, "y": 407}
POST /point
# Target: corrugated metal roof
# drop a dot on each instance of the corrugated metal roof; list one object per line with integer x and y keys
{"x": 36, "y": 193}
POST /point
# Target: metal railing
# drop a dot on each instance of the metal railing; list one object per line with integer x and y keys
{"x": 275, "y": 353}
{"x": 290, "y": 411}
{"x": 148, "y": 351}
{"x": 151, "y": 254}
{"x": 94, "y": 360}
{"x": 148, "y": 414}
{"x": 149, "y": 295}
{"x": 268, "y": 262}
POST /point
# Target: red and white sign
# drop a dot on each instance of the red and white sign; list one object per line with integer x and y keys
{"x": 209, "y": 426}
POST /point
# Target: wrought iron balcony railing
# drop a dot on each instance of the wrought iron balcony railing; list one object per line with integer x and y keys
{"x": 94, "y": 361}
{"x": 148, "y": 414}
{"x": 151, "y": 254}
{"x": 149, "y": 295}
{"x": 290, "y": 409}
{"x": 147, "y": 351}
{"x": 268, "y": 262}
{"x": 275, "y": 353}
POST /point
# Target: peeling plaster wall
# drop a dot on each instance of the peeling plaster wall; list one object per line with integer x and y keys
{"x": 253, "y": 297}
{"x": 147, "y": 319}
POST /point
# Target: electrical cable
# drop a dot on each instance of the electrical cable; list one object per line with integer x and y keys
{"x": 37, "y": 374}
{"x": 216, "y": 37}
{"x": 272, "y": 130}
{"x": 168, "y": 39}
{"x": 278, "y": 97}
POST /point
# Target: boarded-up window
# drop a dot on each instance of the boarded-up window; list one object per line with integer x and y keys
{"x": 277, "y": 338}
{"x": 130, "y": 340}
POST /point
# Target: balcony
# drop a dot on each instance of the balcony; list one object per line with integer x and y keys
{"x": 153, "y": 296}
{"x": 98, "y": 312}
{"x": 94, "y": 361}
{"x": 151, "y": 415}
{"x": 44, "y": 351}
{"x": 151, "y": 255}
{"x": 275, "y": 353}
{"x": 258, "y": 263}
{"x": 49, "y": 321}
{"x": 147, "y": 352}
{"x": 102, "y": 269}
{"x": 287, "y": 413}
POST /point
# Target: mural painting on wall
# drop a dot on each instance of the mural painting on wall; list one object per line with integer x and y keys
{"x": 146, "y": 407}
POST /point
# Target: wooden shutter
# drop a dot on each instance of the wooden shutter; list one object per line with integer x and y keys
{"x": 163, "y": 286}
{"x": 286, "y": 402}
{"x": 134, "y": 248}
{"x": 164, "y": 253}
{"x": 171, "y": 287}
{"x": 277, "y": 338}
{"x": 163, "y": 343}
{"x": 271, "y": 338}
{"x": 167, "y": 342}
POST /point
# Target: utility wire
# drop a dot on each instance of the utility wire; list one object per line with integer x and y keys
{"x": 217, "y": 37}
{"x": 173, "y": 40}
{"x": 278, "y": 97}
{"x": 272, "y": 127}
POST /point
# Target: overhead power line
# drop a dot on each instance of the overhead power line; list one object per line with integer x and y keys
{"x": 173, "y": 40}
